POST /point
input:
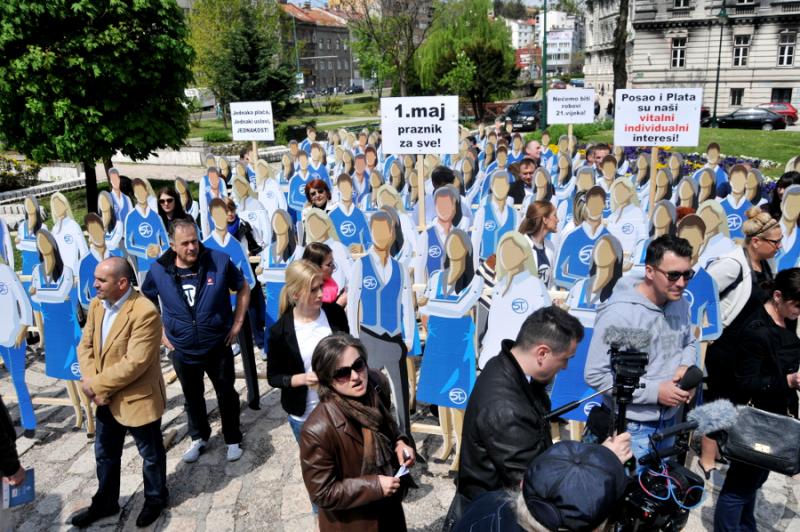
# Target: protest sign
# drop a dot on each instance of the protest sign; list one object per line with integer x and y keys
{"x": 252, "y": 121}
{"x": 570, "y": 106}
{"x": 422, "y": 124}
{"x": 657, "y": 117}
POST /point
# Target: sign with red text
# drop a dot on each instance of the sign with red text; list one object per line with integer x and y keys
{"x": 657, "y": 117}
{"x": 420, "y": 124}
{"x": 570, "y": 106}
{"x": 252, "y": 121}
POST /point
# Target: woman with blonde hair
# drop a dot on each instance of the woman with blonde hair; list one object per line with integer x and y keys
{"x": 67, "y": 232}
{"x": 718, "y": 240}
{"x": 319, "y": 228}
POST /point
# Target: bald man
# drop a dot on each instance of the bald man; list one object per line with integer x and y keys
{"x": 120, "y": 364}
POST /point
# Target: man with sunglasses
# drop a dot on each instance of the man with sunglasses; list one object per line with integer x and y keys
{"x": 655, "y": 304}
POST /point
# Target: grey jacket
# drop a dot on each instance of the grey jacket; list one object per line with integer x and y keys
{"x": 672, "y": 345}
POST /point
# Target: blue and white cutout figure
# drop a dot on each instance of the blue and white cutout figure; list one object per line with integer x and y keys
{"x": 244, "y": 171}
{"x": 145, "y": 235}
{"x": 712, "y": 158}
{"x": 662, "y": 189}
{"x": 319, "y": 228}
{"x": 447, "y": 375}
{"x": 296, "y": 198}
{"x": 641, "y": 178}
{"x": 26, "y": 236}
{"x": 271, "y": 271}
{"x": 17, "y": 317}
{"x": 6, "y": 250}
{"x": 349, "y": 221}
{"x": 701, "y": 291}
{"x": 627, "y": 221}
{"x": 623, "y": 166}
{"x": 493, "y": 219}
{"x": 517, "y": 293}
{"x": 311, "y": 138}
{"x": 113, "y": 230}
{"x": 380, "y": 311}
{"x": 754, "y": 187}
{"x": 706, "y": 190}
{"x": 268, "y": 190}
{"x": 542, "y": 189}
{"x": 51, "y": 287}
{"x": 584, "y": 180}
{"x": 717, "y": 242}
{"x": 316, "y": 167}
{"x": 333, "y": 146}
{"x": 67, "y": 232}
{"x": 122, "y": 203}
{"x": 211, "y": 187}
{"x": 582, "y": 301}
{"x": 564, "y": 183}
{"x": 789, "y": 254}
{"x": 662, "y": 222}
{"x": 516, "y": 154}
{"x": 388, "y": 196}
{"x": 98, "y": 252}
{"x": 687, "y": 193}
{"x": 430, "y": 253}
{"x": 190, "y": 206}
{"x": 574, "y": 257}
{"x": 287, "y": 170}
{"x": 251, "y": 210}
{"x": 547, "y": 159}
{"x": 736, "y": 203}
{"x": 675, "y": 165}
{"x": 500, "y": 164}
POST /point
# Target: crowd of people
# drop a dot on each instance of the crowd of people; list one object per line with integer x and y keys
{"x": 350, "y": 273}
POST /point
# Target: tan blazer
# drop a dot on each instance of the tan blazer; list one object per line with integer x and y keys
{"x": 127, "y": 368}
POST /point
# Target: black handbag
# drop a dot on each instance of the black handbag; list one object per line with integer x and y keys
{"x": 763, "y": 439}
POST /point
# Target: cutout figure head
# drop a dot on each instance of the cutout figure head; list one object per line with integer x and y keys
{"x": 790, "y": 204}
{"x": 94, "y": 226}
{"x": 712, "y": 153}
{"x": 609, "y": 168}
{"x": 714, "y": 217}
{"x": 642, "y": 168}
{"x": 59, "y": 207}
{"x": 706, "y": 184}
{"x": 693, "y": 229}
{"x": 382, "y": 230}
{"x": 113, "y": 178}
{"x": 224, "y": 168}
{"x": 623, "y": 194}
{"x": 752, "y": 188}
{"x": 584, "y": 180}
{"x": 105, "y": 207}
{"x": 662, "y": 219}
{"x": 219, "y": 214}
{"x": 514, "y": 255}
{"x": 140, "y": 192}
{"x": 688, "y": 191}
{"x": 595, "y": 203}
{"x": 738, "y": 179}
{"x": 675, "y": 164}
{"x": 319, "y": 227}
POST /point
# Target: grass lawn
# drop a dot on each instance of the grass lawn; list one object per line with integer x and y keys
{"x": 778, "y": 146}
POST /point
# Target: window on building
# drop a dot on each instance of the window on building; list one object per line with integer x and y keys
{"x": 781, "y": 95}
{"x": 338, "y": 43}
{"x": 786, "y": 43}
{"x": 736, "y": 97}
{"x": 320, "y": 44}
{"x": 741, "y": 48}
{"x": 338, "y": 64}
{"x": 681, "y": 4}
{"x": 322, "y": 65}
{"x": 679, "y": 52}
{"x": 330, "y": 65}
{"x": 745, "y": 2}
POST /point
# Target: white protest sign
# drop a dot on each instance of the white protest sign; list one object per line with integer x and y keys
{"x": 570, "y": 106}
{"x": 420, "y": 124}
{"x": 252, "y": 121}
{"x": 657, "y": 117}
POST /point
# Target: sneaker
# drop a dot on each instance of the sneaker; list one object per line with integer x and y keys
{"x": 194, "y": 450}
{"x": 234, "y": 452}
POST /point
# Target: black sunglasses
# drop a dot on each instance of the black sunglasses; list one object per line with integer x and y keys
{"x": 343, "y": 374}
{"x": 675, "y": 275}
{"x": 162, "y": 201}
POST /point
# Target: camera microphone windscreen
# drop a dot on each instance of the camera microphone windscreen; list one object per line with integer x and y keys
{"x": 625, "y": 338}
{"x": 713, "y": 416}
{"x": 691, "y": 378}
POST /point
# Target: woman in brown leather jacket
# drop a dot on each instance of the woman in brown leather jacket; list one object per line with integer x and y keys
{"x": 350, "y": 446}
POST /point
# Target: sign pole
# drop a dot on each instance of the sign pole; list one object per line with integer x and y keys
{"x": 653, "y": 172}
{"x": 421, "y": 191}
{"x": 255, "y": 154}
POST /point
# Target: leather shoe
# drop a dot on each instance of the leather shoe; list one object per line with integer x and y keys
{"x": 86, "y": 517}
{"x": 148, "y": 515}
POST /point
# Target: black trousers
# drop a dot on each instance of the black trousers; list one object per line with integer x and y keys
{"x": 218, "y": 365}
{"x": 109, "y": 439}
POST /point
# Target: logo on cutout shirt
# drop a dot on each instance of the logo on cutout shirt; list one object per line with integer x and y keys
{"x": 347, "y": 228}
{"x": 519, "y": 305}
{"x": 589, "y": 406}
{"x": 270, "y": 194}
{"x": 490, "y": 225}
{"x": 75, "y": 368}
{"x": 68, "y": 239}
{"x": 458, "y": 396}
{"x": 369, "y": 282}
{"x": 734, "y": 222}
{"x": 3, "y": 289}
{"x": 689, "y": 296}
{"x": 627, "y": 228}
{"x": 585, "y": 254}
{"x": 146, "y": 230}
{"x": 434, "y": 252}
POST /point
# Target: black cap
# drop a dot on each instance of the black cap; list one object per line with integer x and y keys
{"x": 573, "y": 486}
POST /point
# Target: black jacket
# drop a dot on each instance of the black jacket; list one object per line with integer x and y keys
{"x": 9, "y": 461}
{"x": 517, "y": 191}
{"x": 504, "y": 427}
{"x": 285, "y": 359}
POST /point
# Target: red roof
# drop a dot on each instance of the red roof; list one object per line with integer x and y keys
{"x": 314, "y": 15}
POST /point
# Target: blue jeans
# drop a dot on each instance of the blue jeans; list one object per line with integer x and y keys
{"x": 736, "y": 503}
{"x": 640, "y": 437}
{"x": 109, "y": 439}
{"x": 297, "y": 426}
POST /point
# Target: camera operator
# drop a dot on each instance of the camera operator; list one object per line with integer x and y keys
{"x": 570, "y": 486}
{"x": 505, "y": 425}
{"x": 653, "y": 304}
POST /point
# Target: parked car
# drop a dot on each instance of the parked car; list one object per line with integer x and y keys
{"x": 354, "y": 89}
{"x": 749, "y": 118}
{"x": 524, "y": 115}
{"x": 558, "y": 85}
{"x": 785, "y": 109}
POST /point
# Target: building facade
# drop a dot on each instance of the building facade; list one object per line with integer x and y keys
{"x": 522, "y": 32}
{"x": 565, "y": 41}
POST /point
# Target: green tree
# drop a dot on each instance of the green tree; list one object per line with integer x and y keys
{"x": 513, "y": 9}
{"x": 372, "y": 62}
{"x": 463, "y": 39}
{"x": 82, "y": 79}
{"x": 240, "y": 55}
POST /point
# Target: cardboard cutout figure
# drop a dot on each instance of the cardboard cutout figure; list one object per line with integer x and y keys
{"x": 221, "y": 240}
{"x": 251, "y": 210}
{"x": 389, "y": 197}
{"x": 712, "y": 158}
{"x": 487, "y": 157}
{"x": 789, "y": 254}
{"x": 792, "y": 165}
{"x": 500, "y": 163}
{"x": 190, "y": 206}
{"x": 311, "y": 138}
{"x": 718, "y": 241}
{"x": 753, "y": 187}
{"x": 516, "y": 154}
{"x": 493, "y": 219}
{"x": 623, "y": 166}
{"x": 547, "y": 158}
{"x": 582, "y": 301}
{"x": 113, "y": 230}
{"x": 6, "y": 250}
{"x": 701, "y": 292}
{"x": 380, "y": 312}
{"x": 278, "y": 254}
{"x": 575, "y": 252}
{"x": 662, "y": 222}
{"x": 627, "y": 221}
{"x": 122, "y": 203}
{"x": 348, "y": 163}
{"x": 736, "y": 203}
{"x": 390, "y": 161}
{"x": 469, "y": 175}
{"x": 447, "y": 375}
{"x": 582, "y": 182}
{"x": 413, "y": 192}
{"x": 348, "y": 219}
{"x": 145, "y": 236}
{"x": 17, "y": 317}
{"x": 67, "y": 232}
{"x": 316, "y": 168}
{"x": 52, "y": 285}
{"x": 211, "y": 187}
{"x": 320, "y": 228}
{"x": 517, "y": 293}
{"x": 675, "y": 165}
{"x": 98, "y": 252}
{"x": 608, "y": 171}
{"x": 26, "y": 236}
{"x": 543, "y": 189}
{"x": 430, "y": 253}
{"x": 663, "y": 188}
{"x": 686, "y": 193}
{"x": 369, "y": 202}
{"x": 705, "y": 184}
{"x": 287, "y": 170}
{"x": 642, "y": 180}
{"x": 334, "y": 141}
{"x": 296, "y": 198}
{"x": 225, "y": 171}
{"x": 336, "y": 161}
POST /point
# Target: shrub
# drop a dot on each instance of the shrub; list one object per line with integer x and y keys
{"x": 217, "y": 136}
{"x": 332, "y": 106}
{"x": 16, "y": 174}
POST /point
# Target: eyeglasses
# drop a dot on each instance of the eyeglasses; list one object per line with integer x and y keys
{"x": 775, "y": 243}
{"x": 673, "y": 276}
{"x": 316, "y": 192}
{"x": 165, "y": 201}
{"x": 343, "y": 374}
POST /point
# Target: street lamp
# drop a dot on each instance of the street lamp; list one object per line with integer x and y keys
{"x": 723, "y": 19}
{"x": 543, "y": 113}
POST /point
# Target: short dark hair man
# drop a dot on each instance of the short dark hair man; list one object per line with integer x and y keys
{"x": 193, "y": 284}
{"x": 523, "y": 185}
{"x": 655, "y": 304}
